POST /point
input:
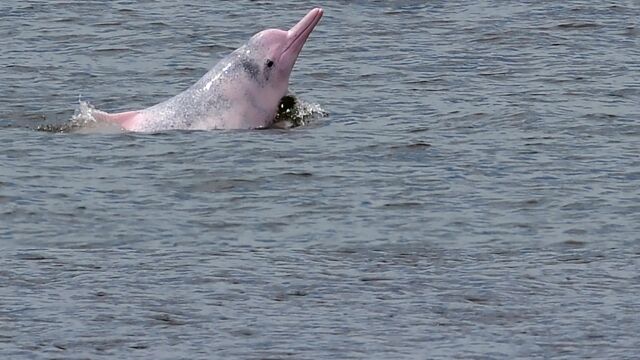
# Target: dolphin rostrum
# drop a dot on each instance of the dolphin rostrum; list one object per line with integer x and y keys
{"x": 242, "y": 91}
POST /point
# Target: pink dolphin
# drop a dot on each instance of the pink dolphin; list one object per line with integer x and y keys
{"x": 241, "y": 92}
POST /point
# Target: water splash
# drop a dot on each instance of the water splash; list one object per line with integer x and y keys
{"x": 294, "y": 112}
{"x": 82, "y": 119}
{"x": 83, "y": 115}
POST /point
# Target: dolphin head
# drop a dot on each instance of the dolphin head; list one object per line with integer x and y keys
{"x": 280, "y": 49}
{"x": 269, "y": 56}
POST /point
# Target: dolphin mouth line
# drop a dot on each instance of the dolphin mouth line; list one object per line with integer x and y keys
{"x": 312, "y": 22}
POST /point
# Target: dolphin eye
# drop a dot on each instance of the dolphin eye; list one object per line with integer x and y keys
{"x": 269, "y": 63}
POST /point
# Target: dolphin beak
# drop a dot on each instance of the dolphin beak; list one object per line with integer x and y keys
{"x": 297, "y": 35}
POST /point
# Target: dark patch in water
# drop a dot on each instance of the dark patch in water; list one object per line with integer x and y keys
{"x": 288, "y": 114}
{"x": 59, "y": 128}
{"x": 577, "y": 25}
{"x": 417, "y": 145}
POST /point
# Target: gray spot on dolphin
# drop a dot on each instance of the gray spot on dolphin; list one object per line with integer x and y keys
{"x": 251, "y": 68}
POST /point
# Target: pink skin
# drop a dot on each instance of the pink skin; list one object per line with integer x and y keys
{"x": 241, "y": 92}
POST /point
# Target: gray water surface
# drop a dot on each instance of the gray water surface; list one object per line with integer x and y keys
{"x": 473, "y": 193}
